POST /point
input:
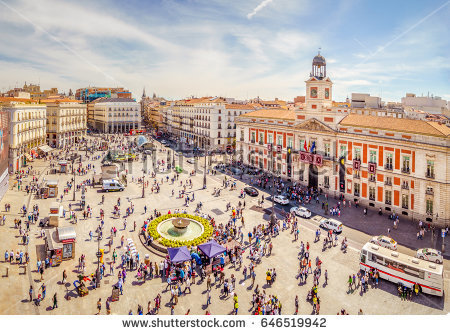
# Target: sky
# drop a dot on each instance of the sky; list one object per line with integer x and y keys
{"x": 240, "y": 49}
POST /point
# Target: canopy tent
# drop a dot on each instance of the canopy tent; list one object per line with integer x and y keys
{"x": 179, "y": 255}
{"x": 211, "y": 248}
{"x": 197, "y": 258}
{"x": 45, "y": 148}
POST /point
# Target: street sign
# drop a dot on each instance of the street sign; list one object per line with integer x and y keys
{"x": 269, "y": 147}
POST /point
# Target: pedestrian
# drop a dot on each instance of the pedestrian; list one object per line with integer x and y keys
{"x": 30, "y": 292}
{"x": 99, "y": 305}
{"x": 55, "y": 301}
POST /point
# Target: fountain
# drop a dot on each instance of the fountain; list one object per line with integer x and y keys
{"x": 180, "y": 229}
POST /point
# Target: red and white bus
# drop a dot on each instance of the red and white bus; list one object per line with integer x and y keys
{"x": 404, "y": 269}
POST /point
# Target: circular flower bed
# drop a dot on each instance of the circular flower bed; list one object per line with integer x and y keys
{"x": 153, "y": 231}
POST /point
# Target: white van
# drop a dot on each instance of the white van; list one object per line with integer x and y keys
{"x": 112, "y": 185}
{"x": 331, "y": 224}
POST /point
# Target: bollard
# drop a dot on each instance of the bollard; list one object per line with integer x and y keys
{"x": 7, "y": 271}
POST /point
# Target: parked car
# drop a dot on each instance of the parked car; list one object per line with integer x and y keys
{"x": 301, "y": 211}
{"x": 384, "y": 241}
{"x": 331, "y": 224}
{"x": 281, "y": 199}
{"x": 251, "y": 191}
{"x": 431, "y": 255}
{"x": 112, "y": 185}
{"x": 190, "y": 160}
{"x": 163, "y": 142}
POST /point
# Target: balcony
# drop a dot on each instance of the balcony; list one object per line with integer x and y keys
{"x": 241, "y": 139}
{"x": 405, "y": 206}
{"x": 372, "y": 179}
{"x": 388, "y": 167}
{"x": 356, "y": 194}
{"x": 372, "y": 198}
{"x": 429, "y": 175}
{"x": 429, "y": 192}
{"x": 405, "y": 170}
{"x": 405, "y": 186}
{"x": 261, "y": 142}
{"x": 388, "y": 202}
{"x": 252, "y": 141}
{"x": 356, "y": 176}
{"x": 326, "y": 186}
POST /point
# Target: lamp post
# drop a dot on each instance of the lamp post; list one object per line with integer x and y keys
{"x": 204, "y": 170}
{"x": 273, "y": 219}
{"x": 74, "y": 157}
{"x": 143, "y": 183}
{"x": 98, "y": 254}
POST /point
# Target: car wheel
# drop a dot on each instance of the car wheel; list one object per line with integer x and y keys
{"x": 321, "y": 225}
{"x": 438, "y": 261}
{"x": 421, "y": 257}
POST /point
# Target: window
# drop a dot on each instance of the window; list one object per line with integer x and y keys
{"x": 356, "y": 189}
{"x": 279, "y": 140}
{"x": 253, "y": 138}
{"x": 388, "y": 165}
{"x": 388, "y": 181}
{"x": 430, "y": 169}
{"x": 270, "y": 138}
{"x": 290, "y": 142}
{"x": 372, "y": 193}
{"x": 300, "y": 175}
{"x": 358, "y": 153}
{"x": 302, "y": 145}
{"x": 405, "y": 164}
{"x": 242, "y": 135}
{"x": 372, "y": 156}
{"x": 387, "y": 197}
{"x": 326, "y": 181}
{"x": 343, "y": 152}
{"x": 327, "y": 149}
{"x": 429, "y": 204}
{"x": 261, "y": 138}
{"x": 220, "y": 118}
{"x": 405, "y": 201}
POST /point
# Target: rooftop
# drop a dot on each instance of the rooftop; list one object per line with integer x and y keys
{"x": 239, "y": 106}
{"x": 272, "y": 113}
{"x": 114, "y": 100}
{"x": 395, "y": 124}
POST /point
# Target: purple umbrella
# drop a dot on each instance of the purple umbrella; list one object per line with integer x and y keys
{"x": 179, "y": 255}
{"x": 211, "y": 248}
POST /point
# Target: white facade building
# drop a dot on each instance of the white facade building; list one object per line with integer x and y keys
{"x": 116, "y": 115}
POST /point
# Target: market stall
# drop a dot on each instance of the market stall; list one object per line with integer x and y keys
{"x": 179, "y": 255}
{"x": 60, "y": 244}
{"x": 56, "y": 212}
{"x": 49, "y": 189}
{"x": 63, "y": 166}
{"x": 212, "y": 253}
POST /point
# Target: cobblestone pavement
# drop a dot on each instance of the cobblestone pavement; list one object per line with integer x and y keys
{"x": 334, "y": 296}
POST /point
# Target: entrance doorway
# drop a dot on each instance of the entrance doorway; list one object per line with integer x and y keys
{"x": 313, "y": 176}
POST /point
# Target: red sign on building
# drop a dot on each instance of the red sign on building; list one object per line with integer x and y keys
{"x": 372, "y": 167}
{"x": 309, "y": 158}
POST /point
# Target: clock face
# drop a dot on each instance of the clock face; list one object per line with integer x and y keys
{"x": 314, "y": 93}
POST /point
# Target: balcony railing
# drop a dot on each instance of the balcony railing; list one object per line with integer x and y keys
{"x": 261, "y": 142}
{"x": 388, "y": 183}
{"x": 356, "y": 176}
{"x": 241, "y": 139}
{"x": 371, "y": 198}
{"x": 405, "y": 169}
{"x": 429, "y": 175}
{"x": 388, "y": 167}
{"x": 252, "y": 141}
{"x": 429, "y": 212}
{"x": 429, "y": 192}
{"x": 372, "y": 179}
{"x": 326, "y": 186}
{"x": 405, "y": 206}
{"x": 387, "y": 202}
{"x": 405, "y": 186}
{"x": 356, "y": 194}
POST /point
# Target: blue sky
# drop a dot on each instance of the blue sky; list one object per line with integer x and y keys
{"x": 238, "y": 49}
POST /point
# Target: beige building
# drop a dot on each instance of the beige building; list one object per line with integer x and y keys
{"x": 398, "y": 165}
{"x": 66, "y": 122}
{"x": 27, "y": 130}
{"x": 115, "y": 115}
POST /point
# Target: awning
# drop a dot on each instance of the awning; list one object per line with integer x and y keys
{"x": 45, "y": 148}
{"x": 33, "y": 153}
{"x": 28, "y": 156}
{"x": 66, "y": 233}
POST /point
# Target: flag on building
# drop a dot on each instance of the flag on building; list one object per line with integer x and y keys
{"x": 313, "y": 147}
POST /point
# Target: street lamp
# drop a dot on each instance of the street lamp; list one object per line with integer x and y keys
{"x": 143, "y": 183}
{"x": 74, "y": 157}
{"x": 98, "y": 254}
{"x": 273, "y": 219}
{"x": 204, "y": 170}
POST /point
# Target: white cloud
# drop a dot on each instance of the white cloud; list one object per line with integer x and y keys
{"x": 263, "y": 4}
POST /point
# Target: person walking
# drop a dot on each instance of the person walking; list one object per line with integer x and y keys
{"x": 55, "y": 301}
{"x": 99, "y": 305}
{"x": 30, "y": 292}
{"x": 208, "y": 297}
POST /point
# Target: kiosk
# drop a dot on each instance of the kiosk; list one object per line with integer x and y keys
{"x": 60, "y": 244}
{"x": 63, "y": 166}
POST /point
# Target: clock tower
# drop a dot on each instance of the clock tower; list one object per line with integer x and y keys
{"x": 318, "y": 87}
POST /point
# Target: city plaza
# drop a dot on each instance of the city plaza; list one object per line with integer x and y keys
{"x": 335, "y": 296}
